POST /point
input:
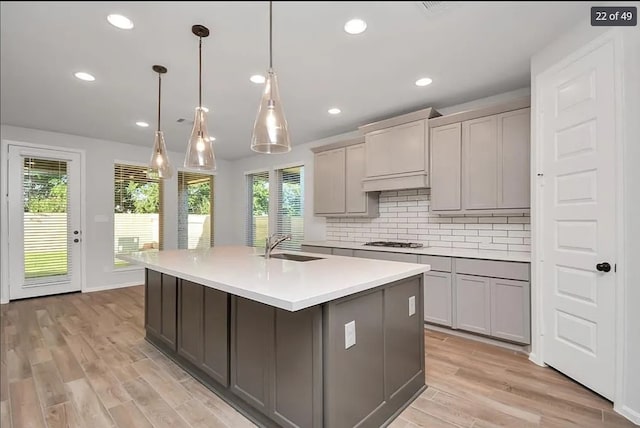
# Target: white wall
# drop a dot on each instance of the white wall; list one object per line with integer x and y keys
{"x": 98, "y": 235}
{"x": 627, "y": 399}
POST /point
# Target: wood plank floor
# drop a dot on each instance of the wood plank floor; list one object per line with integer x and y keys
{"x": 80, "y": 360}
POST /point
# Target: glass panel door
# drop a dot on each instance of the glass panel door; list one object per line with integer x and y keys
{"x": 44, "y": 222}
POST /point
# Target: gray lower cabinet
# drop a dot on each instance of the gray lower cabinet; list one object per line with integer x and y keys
{"x": 383, "y": 255}
{"x": 510, "y": 311}
{"x": 314, "y": 249}
{"x": 276, "y": 361}
{"x": 342, "y": 252}
{"x": 385, "y": 367}
{"x": 202, "y": 329}
{"x": 437, "y": 298}
{"x": 473, "y": 300}
{"x": 160, "y": 306}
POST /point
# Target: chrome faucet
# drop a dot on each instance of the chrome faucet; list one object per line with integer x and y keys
{"x": 272, "y": 242}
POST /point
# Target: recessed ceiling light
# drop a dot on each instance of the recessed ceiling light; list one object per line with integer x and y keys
{"x": 355, "y": 26}
{"x": 142, "y": 124}
{"x": 423, "y": 81}
{"x": 334, "y": 110}
{"x": 257, "y": 78}
{"x": 84, "y": 76}
{"x": 120, "y": 21}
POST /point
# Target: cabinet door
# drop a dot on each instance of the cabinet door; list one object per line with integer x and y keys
{"x": 215, "y": 358}
{"x": 153, "y": 302}
{"x": 396, "y": 150}
{"x": 251, "y": 351}
{"x": 473, "y": 303}
{"x": 446, "y": 152}
{"x": 356, "y": 199}
{"x": 510, "y": 310}
{"x": 479, "y": 154}
{"x": 169, "y": 309}
{"x": 190, "y": 312}
{"x": 329, "y": 182}
{"x": 514, "y": 147}
{"x": 437, "y": 298}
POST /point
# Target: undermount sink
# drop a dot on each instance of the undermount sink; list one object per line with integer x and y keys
{"x": 294, "y": 257}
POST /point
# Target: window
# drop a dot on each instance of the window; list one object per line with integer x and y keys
{"x": 290, "y": 210}
{"x": 137, "y": 223}
{"x": 195, "y": 210}
{"x": 258, "y": 214}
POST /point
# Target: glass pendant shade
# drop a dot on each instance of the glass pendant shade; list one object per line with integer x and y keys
{"x": 270, "y": 130}
{"x": 200, "y": 150}
{"x": 159, "y": 165}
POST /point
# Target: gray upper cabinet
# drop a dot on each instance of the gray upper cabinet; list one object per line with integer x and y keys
{"x": 397, "y": 152}
{"x": 479, "y": 153}
{"x": 514, "y": 134}
{"x": 338, "y": 174}
{"x": 329, "y": 182}
{"x": 446, "y": 149}
{"x": 481, "y": 164}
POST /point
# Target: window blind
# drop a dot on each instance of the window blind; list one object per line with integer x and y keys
{"x": 257, "y": 229}
{"x": 46, "y": 220}
{"x": 290, "y": 207}
{"x": 137, "y": 224}
{"x": 195, "y": 210}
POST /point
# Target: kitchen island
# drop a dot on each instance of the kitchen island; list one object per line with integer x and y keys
{"x": 330, "y": 342}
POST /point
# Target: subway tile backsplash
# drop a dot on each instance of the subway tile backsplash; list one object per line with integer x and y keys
{"x": 405, "y": 216}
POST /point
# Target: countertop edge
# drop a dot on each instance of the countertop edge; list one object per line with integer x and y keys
{"x": 288, "y": 305}
{"x": 507, "y": 256}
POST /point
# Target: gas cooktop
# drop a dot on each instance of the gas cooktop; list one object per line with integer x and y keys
{"x": 394, "y": 244}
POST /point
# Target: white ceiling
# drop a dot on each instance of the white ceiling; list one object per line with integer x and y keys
{"x": 469, "y": 49}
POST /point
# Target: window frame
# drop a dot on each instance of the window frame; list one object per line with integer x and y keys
{"x": 212, "y": 175}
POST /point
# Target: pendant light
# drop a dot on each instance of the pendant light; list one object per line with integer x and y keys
{"x": 270, "y": 131}
{"x": 200, "y": 150}
{"x": 159, "y": 165}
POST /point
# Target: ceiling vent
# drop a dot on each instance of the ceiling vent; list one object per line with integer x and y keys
{"x": 433, "y": 8}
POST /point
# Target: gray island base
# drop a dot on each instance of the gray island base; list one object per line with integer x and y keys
{"x": 292, "y": 369}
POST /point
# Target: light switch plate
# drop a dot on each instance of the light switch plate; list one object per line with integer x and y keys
{"x": 349, "y": 334}
{"x": 412, "y": 305}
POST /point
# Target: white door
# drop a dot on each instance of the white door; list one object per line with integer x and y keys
{"x": 44, "y": 222}
{"x": 579, "y": 164}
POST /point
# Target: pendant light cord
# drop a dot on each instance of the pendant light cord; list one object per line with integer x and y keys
{"x": 200, "y": 74}
{"x": 159, "y": 92}
{"x": 270, "y": 35}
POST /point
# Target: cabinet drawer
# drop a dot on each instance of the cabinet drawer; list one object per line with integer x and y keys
{"x": 313, "y": 249}
{"x": 342, "y": 252}
{"x": 382, "y": 255}
{"x": 493, "y": 268}
{"x": 439, "y": 263}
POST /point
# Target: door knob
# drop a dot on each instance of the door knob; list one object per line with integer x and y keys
{"x": 76, "y": 240}
{"x": 603, "y": 267}
{"x": 75, "y": 232}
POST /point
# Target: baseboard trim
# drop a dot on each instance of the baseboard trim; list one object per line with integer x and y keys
{"x": 112, "y": 286}
{"x": 4, "y": 301}
{"x": 535, "y": 360}
{"x": 629, "y": 413}
{"x": 511, "y": 346}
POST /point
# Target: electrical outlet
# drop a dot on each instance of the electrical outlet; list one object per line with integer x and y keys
{"x": 412, "y": 305}
{"x": 349, "y": 334}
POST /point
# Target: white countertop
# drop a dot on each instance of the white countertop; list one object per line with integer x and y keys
{"x": 281, "y": 283}
{"x": 510, "y": 256}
